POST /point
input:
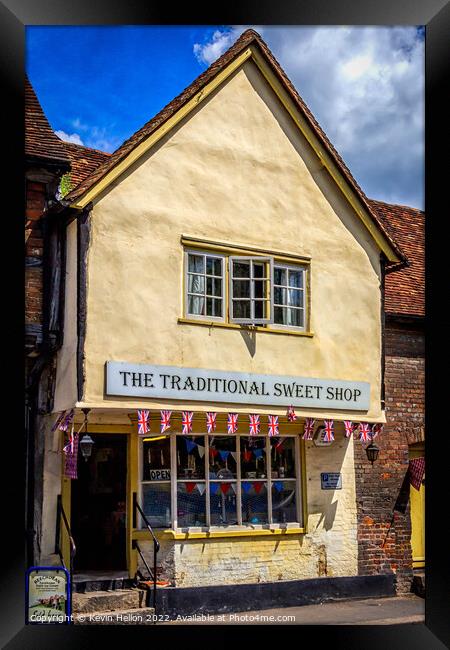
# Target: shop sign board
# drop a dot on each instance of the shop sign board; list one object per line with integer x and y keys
{"x": 196, "y": 384}
{"x": 331, "y": 481}
{"x": 47, "y": 595}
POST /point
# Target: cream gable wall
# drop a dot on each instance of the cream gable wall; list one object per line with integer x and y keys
{"x": 236, "y": 170}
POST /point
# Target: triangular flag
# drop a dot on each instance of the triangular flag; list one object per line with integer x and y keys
{"x": 201, "y": 487}
{"x": 213, "y": 452}
{"x": 190, "y": 487}
{"x": 235, "y": 455}
{"x": 201, "y": 450}
{"x": 233, "y": 487}
{"x": 213, "y": 487}
{"x": 246, "y": 486}
{"x": 247, "y": 455}
{"x": 258, "y": 487}
{"x": 224, "y": 487}
{"x": 278, "y": 485}
{"x": 190, "y": 446}
{"x": 258, "y": 453}
{"x": 224, "y": 454}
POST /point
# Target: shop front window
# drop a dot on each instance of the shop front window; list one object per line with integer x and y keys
{"x": 221, "y": 480}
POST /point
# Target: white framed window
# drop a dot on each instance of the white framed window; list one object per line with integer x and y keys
{"x": 221, "y": 480}
{"x": 204, "y": 285}
{"x": 289, "y": 304}
{"x": 251, "y": 290}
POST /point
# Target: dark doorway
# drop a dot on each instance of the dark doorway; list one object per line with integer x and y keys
{"x": 99, "y": 505}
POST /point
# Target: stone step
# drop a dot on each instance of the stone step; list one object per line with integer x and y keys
{"x": 136, "y": 616}
{"x": 418, "y": 583}
{"x": 107, "y": 601}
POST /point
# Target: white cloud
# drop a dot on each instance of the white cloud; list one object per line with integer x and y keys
{"x": 365, "y": 86}
{"x": 73, "y": 137}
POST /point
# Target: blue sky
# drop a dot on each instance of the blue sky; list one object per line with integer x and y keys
{"x": 365, "y": 86}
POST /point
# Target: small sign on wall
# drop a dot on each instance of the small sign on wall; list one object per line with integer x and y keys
{"x": 331, "y": 481}
{"x": 160, "y": 474}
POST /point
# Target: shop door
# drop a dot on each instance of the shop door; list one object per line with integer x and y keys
{"x": 99, "y": 505}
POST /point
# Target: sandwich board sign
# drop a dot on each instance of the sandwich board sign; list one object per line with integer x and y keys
{"x": 47, "y": 595}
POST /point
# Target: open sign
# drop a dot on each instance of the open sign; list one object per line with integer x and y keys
{"x": 160, "y": 474}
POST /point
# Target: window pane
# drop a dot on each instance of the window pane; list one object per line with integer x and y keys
{"x": 196, "y": 284}
{"x": 260, "y": 288}
{"x": 295, "y": 317}
{"x": 241, "y": 309}
{"x": 283, "y": 502}
{"x": 156, "y": 460}
{"x": 213, "y": 287}
{"x": 213, "y": 307}
{"x": 223, "y": 503}
{"x": 191, "y": 504}
{"x": 222, "y": 457}
{"x": 259, "y": 269}
{"x": 295, "y": 297}
{"x": 241, "y": 288}
{"x": 279, "y": 275}
{"x": 196, "y": 305}
{"x": 260, "y": 306}
{"x": 241, "y": 269}
{"x": 213, "y": 266}
{"x": 156, "y": 506}
{"x": 190, "y": 457}
{"x": 295, "y": 278}
{"x": 254, "y": 502}
{"x": 253, "y": 457}
{"x": 196, "y": 263}
{"x": 282, "y": 455}
{"x": 279, "y": 315}
{"x": 279, "y": 296}
{"x": 286, "y": 316}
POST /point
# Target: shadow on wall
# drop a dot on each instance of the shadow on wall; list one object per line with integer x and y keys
{"x": 323, "y": 503}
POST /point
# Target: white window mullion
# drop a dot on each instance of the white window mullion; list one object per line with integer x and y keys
{"x": 208, "y": 499}
{"x": 173, "y": 463}
{"x": 238, "y": 481}
{"x": 269, "y": 479}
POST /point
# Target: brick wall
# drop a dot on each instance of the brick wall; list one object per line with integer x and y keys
{"x": 384, "y": 535}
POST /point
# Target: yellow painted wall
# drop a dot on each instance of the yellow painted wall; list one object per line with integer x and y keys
{"x": 236, "y": 170}
{"x": 66, "y": 369}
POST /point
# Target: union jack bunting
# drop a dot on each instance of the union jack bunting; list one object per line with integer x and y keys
{"x": 308, "y": 430}
{"x": 143, "y": 425}
{"x": 328, "y": 437}
{"x": 58, "y": 421}
{"x": 348, "y": 428}
{"x": 232, "y": 422}
{"x": 66, "y": 422}
{"x": 273, "y": 425}
{"x": 291, "y": 414}
{"x": 376, "y": 429}
{"x": 69, "y": 448}
{"x": 165, "y": 420}
{"x": 416, "y": 471}
{"x": 186, "y": 421}
{"x": 211, "y": 422}
{"x": 254, "y": 424}
{"x": 365, "y": 433}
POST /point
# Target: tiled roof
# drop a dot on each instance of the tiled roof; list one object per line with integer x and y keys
{"x": 247, "y": 38}
{"x": 83, "y": 161}
{"x": 405, "y": 288}
{"x": 41, "y": 143}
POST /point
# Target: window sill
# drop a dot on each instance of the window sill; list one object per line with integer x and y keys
{"x": 218, "y": 531}
{"x": 232, "y": 326}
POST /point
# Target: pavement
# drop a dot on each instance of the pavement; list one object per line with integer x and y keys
{"x": 372, "y": 611}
